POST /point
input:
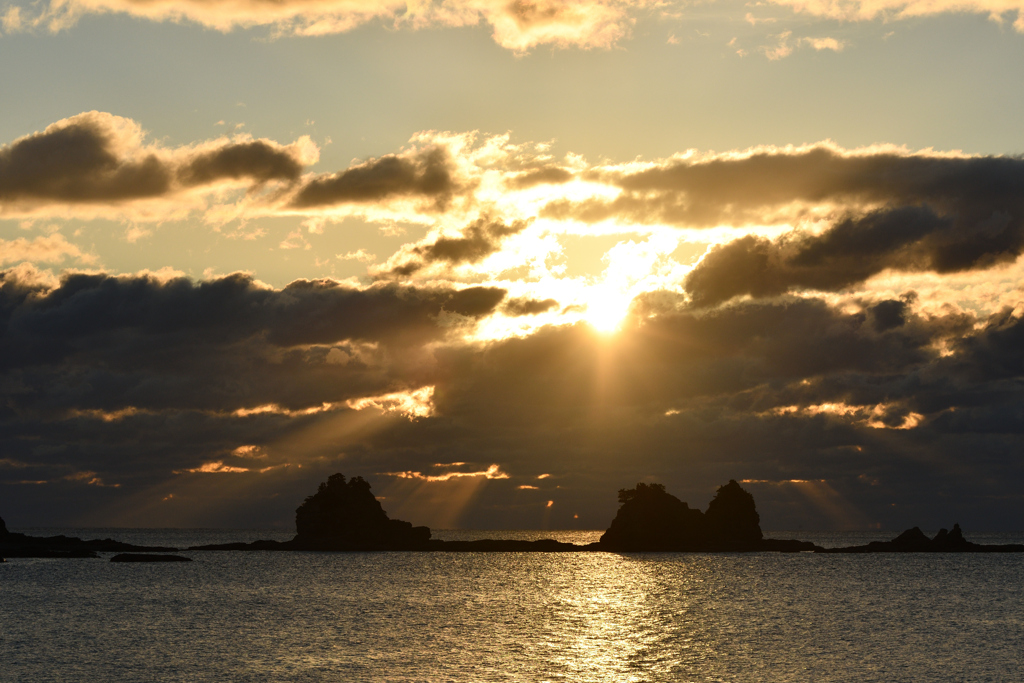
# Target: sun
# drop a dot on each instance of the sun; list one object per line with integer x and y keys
{"x": 606, "y": 308}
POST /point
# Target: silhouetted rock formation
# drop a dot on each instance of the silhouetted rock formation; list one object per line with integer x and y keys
{"x": 915, "y": 541}
{"x": 346, "y": 515}
{"x": 21, "y": 545}
{"x": 732, "y": 517}
{"x": 129, "y": 557}
{"x": 342, "y": 515}
{"x": 651, "y": 520}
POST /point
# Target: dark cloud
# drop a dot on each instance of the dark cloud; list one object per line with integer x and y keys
{"x": 854, "y": 249}
{"x": 109, "y": 342}
{"x": 780, "y": 391}
{"x": 258, "y": 160}
{"x": 78, "y": 160}
{"x": 548, "y": 175}
{"x": 527, "y": 306}
{"x": 479, "y": 239}
{"x": 95, "y": 158}
{"x": 426, "y": 174}
{"x": 728, "y": 189}
{"x": 996, "y": 352}
{"x": 134, "y": 379}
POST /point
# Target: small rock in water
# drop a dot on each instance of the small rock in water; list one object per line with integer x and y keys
{"x": 134, "y": 557}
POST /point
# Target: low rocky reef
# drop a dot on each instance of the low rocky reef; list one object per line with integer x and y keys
{"x": 22, "y": 545}
{"x": 915, "y": 541}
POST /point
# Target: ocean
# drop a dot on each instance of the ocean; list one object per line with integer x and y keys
{"x": 396, "y": 616}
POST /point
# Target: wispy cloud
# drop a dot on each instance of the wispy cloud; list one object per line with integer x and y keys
{"x": 520, "y": 25}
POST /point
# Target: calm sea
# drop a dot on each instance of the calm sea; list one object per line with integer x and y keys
{"x": 512, "y": 616}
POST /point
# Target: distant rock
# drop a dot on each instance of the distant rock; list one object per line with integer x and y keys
{"x": 22, "y": 545}
{"x": 916, "y": 541}
{"x": 345, "y": 514}
{"x": 131, "y": 557}
{"x": 652, "y": 520}
{"x": 732, "y": 518}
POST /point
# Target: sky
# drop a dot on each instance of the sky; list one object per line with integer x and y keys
{"x": 503, "y": 259}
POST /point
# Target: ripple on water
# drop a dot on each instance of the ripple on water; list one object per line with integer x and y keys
{"x": 515, "y": 616}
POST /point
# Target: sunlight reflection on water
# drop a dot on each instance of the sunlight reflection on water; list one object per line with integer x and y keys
{"x": 512, "y": 616}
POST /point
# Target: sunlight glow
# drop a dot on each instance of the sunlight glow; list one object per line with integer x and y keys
{"x": 492, "y": 472}
{"x": 607, "y": 308}
{"x": 867, "y": 415}
{"x": 215, "y": 467}
{"x": 411, "y": 404}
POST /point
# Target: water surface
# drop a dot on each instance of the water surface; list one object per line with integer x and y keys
{"x": 395, "y": 616}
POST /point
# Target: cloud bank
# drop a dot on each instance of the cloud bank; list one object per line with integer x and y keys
{"x": 153, "y": 385}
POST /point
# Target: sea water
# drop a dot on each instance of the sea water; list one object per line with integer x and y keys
{"x": 395, "y": 616}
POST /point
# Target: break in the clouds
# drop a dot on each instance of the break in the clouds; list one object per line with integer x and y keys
{"x": 97, "y": 164}
{"x": 517, "y": 25}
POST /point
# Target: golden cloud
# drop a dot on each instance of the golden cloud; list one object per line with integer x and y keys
{"x": 517, "y": 24}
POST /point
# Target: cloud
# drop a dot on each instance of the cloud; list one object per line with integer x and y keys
{"x": 96, "y": 163}
{"x": 781, "y": 389}
{"x": 150, "y": 344}
{"x": 868, "y": 10}
{"x": 782, "y": 50}
{"x": 258, "y": 161}
{"x": 820, "y": 44}
{"x": 549, "y": 174}
{"x": 53, "y": 248}
{"x": 911, "y": 238}
{"x": 412, "y": 404}
{"x": 477, "y": 240}
{"x": 524, "y": 306}
{"x": 215, "y": 467}
{"x": 420, "y": 173}
{"x": 838, "y": 327}
{"x": 492, "y": 472}
{"x": 517, "y": 25}
{"x": 851, "y": 214}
